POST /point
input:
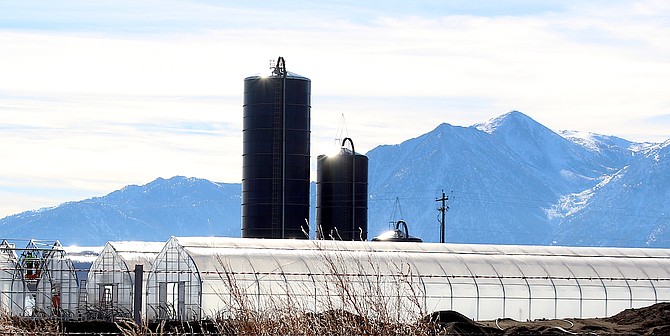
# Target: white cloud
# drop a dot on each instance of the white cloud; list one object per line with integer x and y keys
{"x": 127, "y": 105}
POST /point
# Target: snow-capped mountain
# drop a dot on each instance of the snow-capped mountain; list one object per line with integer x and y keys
{"x": 510, "y": 180}
{"x": 504, "y": 177}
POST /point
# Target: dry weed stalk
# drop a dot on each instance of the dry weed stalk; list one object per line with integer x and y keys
{"x": 385, "y": 294}
{"x": 128, "y": 327}
{"x": 350, "y": 295}
{"x": 14, "y": 325}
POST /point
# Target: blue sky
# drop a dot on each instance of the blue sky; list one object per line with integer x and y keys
{"x": 95, "y": 95}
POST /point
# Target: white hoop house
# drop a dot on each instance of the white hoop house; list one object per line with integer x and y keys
{"x": 111, "y": 279}
{"x": 201, "y": 277}
{"x": 58, "y": 289}
{"x": 12, "y": 286}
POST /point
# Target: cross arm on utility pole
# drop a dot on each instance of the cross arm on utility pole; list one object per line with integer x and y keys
{"x": 443, "y": 209}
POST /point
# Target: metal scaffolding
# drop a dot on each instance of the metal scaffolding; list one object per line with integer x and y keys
{"x": 12, "y": 285}
{"x": 38, "y": 280}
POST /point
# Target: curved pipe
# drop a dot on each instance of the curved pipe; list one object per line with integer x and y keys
{"x": 397, "y": 227}
{"x": 353, "y": 185}
{"x": 353, "y": 151}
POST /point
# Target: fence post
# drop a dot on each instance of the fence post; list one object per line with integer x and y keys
{"x": 137, "y": 302}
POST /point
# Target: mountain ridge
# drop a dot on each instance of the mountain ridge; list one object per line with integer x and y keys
{"x": 510, "y": 180}
{"x": 197, "y": 207}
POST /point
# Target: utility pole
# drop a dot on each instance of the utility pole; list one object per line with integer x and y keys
{"x": 443, "y": 209}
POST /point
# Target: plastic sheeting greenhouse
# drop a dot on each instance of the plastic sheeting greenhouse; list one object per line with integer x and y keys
{"x": 200, "y": 277}
{"x": 39, "y": 282}
{"x": 12, "y": 287}
{"x": 111, "y": 279}
{"x": 58, "y": 288}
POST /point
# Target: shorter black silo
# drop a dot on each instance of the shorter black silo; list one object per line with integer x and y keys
{"x": 342, "y": 195}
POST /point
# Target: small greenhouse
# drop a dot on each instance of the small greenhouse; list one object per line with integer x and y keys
{"x": 111, "y": 279}
{"x": 12, "y": 286}
{"x": 57, "y": 290}
{"x": 199, "y": 277}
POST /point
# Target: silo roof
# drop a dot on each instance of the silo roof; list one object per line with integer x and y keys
{"x": 289, "y": 74}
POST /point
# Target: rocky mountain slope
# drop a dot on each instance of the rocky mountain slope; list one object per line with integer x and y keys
{"x": 177, "y": 206}
{"x": 510, "y": 180}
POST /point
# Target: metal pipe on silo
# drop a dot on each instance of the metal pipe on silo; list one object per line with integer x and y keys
{"x": 275, "y": 155}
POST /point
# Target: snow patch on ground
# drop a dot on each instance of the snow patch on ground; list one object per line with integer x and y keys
{"x": 570, "y": 175}
{"x": 586, "y": 139}
{"x": 642, "y": 147}
{"x": 491, "y": 125}
{"x": 570, "y": 204}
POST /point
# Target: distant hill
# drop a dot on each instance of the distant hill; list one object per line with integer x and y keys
{"x": 178, "y": 206}
{"x": 510, "y": 180}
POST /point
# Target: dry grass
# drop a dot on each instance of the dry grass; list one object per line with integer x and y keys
{"x": 12, "y": 325}
{"x": 355, "y": 297}
{"x": 358, "y": 298}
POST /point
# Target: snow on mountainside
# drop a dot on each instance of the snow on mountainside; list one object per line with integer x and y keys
{"x": 510, "y": 180}
{"x": 504, "y": 178}
{"x": 476, "y": 168}
{"x": 553, "y": 153}
{"x": 596, "y": 142}
{"x": 632, "y": 207}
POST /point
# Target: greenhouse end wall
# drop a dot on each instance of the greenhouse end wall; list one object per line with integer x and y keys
{"x": 111, "y": 280}
{"x": 174, "y": 286}
{"x": 12, "y": 286}
{"x": 58, "y": 288}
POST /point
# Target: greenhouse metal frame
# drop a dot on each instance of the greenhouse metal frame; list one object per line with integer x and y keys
{"x": 38, "y": 282}
{"x": 12, "y": 285}
{"x": 199, "y": 277}
{"x": 111, "y": 279}
{"x": 57, "y": 291}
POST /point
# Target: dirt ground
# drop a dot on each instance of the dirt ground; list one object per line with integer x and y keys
{"x": 652, "y": 320}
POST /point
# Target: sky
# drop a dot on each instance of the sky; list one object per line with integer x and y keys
{"x": 96, "y": 95}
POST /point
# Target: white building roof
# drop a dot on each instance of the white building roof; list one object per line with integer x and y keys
{"x": 436, "y": 259}
{"x": 137, "y": 252}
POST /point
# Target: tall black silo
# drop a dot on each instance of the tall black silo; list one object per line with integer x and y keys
{"x": 275, "y": 155}
{"x": 342, "y": 195}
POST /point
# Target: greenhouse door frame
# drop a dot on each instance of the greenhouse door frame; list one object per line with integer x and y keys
{"x": 170, "y": 293}
{"x": 108, "y": 294}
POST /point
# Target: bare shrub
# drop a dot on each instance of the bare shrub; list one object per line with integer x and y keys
{"x": 348, "y": 295}
{"x": 13, "y": 325}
